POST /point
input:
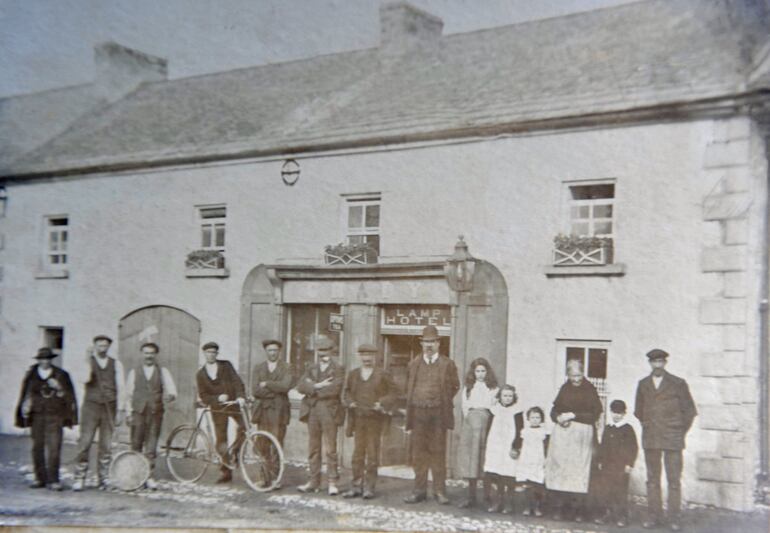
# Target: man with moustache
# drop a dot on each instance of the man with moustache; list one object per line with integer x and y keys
{"x": 323, "y": 412}
{"x": 147, "y": 389}
{"x": 218, "y": 383}
{"x": 432, "y": 383}
{"x": 666, "y": 410}
{"x": 46, "y": 404}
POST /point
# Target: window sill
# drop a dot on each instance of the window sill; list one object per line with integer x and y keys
{"x": 52, "y": 274}
{"x": 615, "y": 269}
{"x": 207, "y": 273}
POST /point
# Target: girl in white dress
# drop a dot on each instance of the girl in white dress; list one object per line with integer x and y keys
{"x": 499, "y": 460}
{"x": 531, "y": 463}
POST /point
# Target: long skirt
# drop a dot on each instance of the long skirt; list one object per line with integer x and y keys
{"x": 568, "y": 464}
{"x": 473, "y": 442}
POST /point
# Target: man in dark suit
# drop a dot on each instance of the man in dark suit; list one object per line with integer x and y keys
{"x": 218, "y": 383}
{"x": 270, "y": 384}
{"x": 666, "y": 410}
{"x": 323, "y": 411}
{"x": 46, "y": 404}
{"x": 432, "y": 383}
{"x": 369, "y": 395}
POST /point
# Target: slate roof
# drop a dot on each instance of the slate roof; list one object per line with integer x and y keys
{"x": 636, "y": 55}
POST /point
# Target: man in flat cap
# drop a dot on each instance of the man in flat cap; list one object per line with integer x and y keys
{"x": 323, "y": 412}
{"x": 102, "y": 410}
{"x": 370, "y": 394}
{"x": 666, "y": 410}
{"x": 432, "y": 383}
{"x": 148, "y": 387}
{"x": 46, "y": 404}
{"x": 219, "y": 385}
{"x": 270, "y": 384}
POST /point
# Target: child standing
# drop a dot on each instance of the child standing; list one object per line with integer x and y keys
{"x": 499, "y": 459}
{"x": 532, "y": 446}
{"x": 478, "y": 397}
{"x": 615, "y": 460}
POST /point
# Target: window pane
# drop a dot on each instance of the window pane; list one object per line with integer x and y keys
{"x": 591, "y": 192}
{"x": 220, "y": 234}
{"x": 372, "y": 216}
{"x": 602, "y": 211}
{"x": 355, "y": 239}
{"x": 575, "y": 353}
{"x": 580, "y": 211}
{"x": 63, "y": 259}
{"x": 63, "y": 243}
{"x": 57, "y": 221}
{"x": 53, "y": 241}
{"x": 54, "y": 259}
{"x": 213, "y": 212}
{"x": 374, "y": 242}
{"x": 597, "y": 363}
{"x": 206, "y": 236}
{"x": 602, "y": 228}
{"x": 355, "y": 216}
{"x": 580, "y": 228}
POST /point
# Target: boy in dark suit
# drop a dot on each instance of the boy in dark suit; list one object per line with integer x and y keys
{"x": 218, "y": 382}
{"x": 615, "y": 460}
{"x": 369, "y": 395}
{"x": 46, "y": 404}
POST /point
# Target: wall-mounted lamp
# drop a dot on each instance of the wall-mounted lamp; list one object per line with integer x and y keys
{"x": 290, "y": 172}
{"x": 460, "y": 267}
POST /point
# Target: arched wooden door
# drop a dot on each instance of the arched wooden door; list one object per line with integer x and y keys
{"x": 177, "y": 333}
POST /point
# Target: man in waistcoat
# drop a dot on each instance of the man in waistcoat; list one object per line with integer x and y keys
{"x": 666, "y": 410}
{"x": 323, "y": 412}
{"x": 369, "y": 394}
{"x": 101, "y": 411}
{"x": 46, "y": 404}
{"x": 148, "y": 387}
{"x": 432, "y": 383}
{"x": 219, "y": 383}
{"x": 270, "y": 384}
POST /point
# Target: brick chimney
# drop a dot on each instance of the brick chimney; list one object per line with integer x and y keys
{"x": 403, "y": 28}
{"x": 120, "y": 70}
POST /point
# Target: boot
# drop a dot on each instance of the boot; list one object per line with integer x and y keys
{"x": 497, "y": 506}
{"x": 487, "y": 490}
{"x": 104, "y": 472}
{"x": 80, "y": 477}
{"x": 470, "y": 501}
{"x": 509, "y": 495}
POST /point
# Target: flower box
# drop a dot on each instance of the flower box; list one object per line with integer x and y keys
{"x": 571, "y": 250}
{"x": 350, "y": 254}
{"x": 205, "y": 260}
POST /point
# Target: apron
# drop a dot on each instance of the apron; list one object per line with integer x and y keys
{"x": 568, "y": 465}
{"x": 531, "y": 463}
{"x": 497, "y": 459}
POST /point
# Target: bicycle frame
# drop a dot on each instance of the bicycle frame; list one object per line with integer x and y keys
{"x": 210, "y": 432}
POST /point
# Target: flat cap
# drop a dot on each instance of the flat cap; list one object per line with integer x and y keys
{"x": 367, "y": 349}
{"x": 45, "y": 353}
{"x": 268, "y": 342}
{"x": 324, "y": 344}
{"x": 102, "y": 338}
{"x": 150, "y": 345}
{"x": 657, "y": 353}
{"x": 430, "y": 333}
{"x": 210, "y": 346}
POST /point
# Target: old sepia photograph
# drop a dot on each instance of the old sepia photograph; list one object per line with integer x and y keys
{"x": 385, "y": 265}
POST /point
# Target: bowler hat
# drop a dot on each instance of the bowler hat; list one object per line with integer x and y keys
{"x": 369, "y": 349}
{"x": 430, "y": 333}
{"x": 45, "y": 353}
{"x": 324, "y": 344}
{"x": 268, "y": 342}
{"x": 102, "y": 338}
{"x": 210, "y": 346}
{"x": 151, "y": 345}
{"x": 657, "y": 353}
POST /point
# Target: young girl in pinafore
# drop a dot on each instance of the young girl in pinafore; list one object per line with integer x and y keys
{"x": 531, "y": 463}
{"x": 478, "y": 397}
{"x": 499, "y": 460}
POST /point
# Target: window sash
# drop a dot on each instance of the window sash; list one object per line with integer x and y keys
{"x": 56, "y": 242}
{"x": 590, "y": 222}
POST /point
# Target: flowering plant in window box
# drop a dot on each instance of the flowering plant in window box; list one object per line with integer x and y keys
{"x": 205, "y": 259}
{"x": 574, "y": 250}
{"x": 350, "y": 254}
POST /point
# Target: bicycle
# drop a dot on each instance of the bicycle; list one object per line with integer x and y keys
{"x": 189, "y": 452}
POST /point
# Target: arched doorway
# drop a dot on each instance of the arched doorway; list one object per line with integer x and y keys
{"x": 177, "y": 333}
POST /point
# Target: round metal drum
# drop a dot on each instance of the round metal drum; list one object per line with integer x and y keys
{"x": 129, "y": 470}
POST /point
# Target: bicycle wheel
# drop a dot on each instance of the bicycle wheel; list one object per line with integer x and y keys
{"x": 261, "y": 461}
{"x": 188, "y": 454}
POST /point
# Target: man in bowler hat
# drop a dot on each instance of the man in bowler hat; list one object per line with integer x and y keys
{"x": 46, "y": 404}
{"x": 323, "y": 412}
{"x": 666, "y": 410}
{"x": 432, "y": 383}
{"x": 102, "y": 410}
{"x": 369, "y": 395}
{"x": 148, "y": 387}
{"x": 218, "y": 385}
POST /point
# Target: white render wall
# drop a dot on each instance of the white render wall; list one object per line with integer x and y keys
{"x": 130, "y": 233}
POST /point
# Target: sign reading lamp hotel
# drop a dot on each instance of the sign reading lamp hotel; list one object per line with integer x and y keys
{"x": 416, "y": 317}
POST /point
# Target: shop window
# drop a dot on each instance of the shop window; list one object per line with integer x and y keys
{"x": 362, "y": 220}
{"x": 304, "y": 323}
{"x": 593, "y": 355}
{"x": 53, "y": 338}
